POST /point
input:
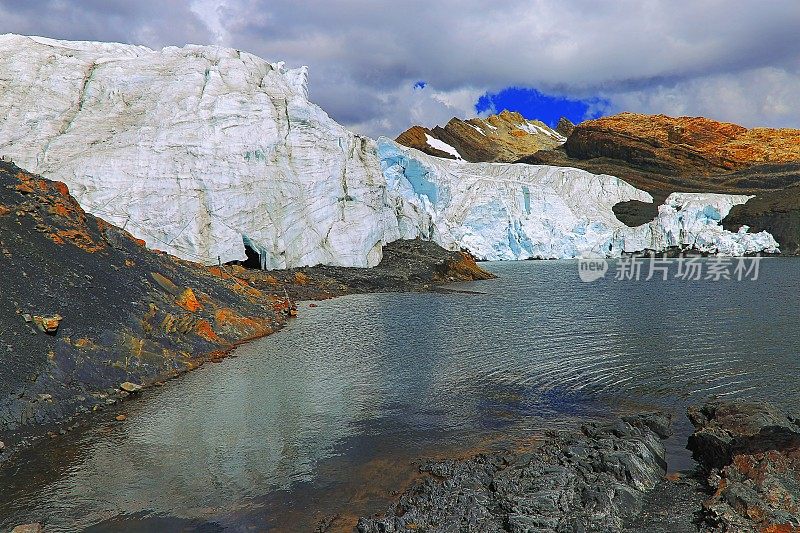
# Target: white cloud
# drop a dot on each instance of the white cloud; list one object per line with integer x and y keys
{"x": 406, "y": 106}
{"x": 734, "y": 60}
{"x": 211, "y": 12}
{"x": 758, "y": 97}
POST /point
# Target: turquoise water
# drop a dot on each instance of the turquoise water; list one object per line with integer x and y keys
{"x": 327, "y": 416}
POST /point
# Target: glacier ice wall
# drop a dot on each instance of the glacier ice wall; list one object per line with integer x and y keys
{"x": 194, "y": 148}
{"x": 504, "y": 211}
{"x": 199, "y": 149}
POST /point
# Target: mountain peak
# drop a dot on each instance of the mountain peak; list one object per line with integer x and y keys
{"x": 504, "y": 137}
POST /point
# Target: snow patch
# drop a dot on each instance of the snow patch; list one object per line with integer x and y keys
{"x": 476, "y": 128}
{"x": 442, "y": 146}
{"x": 530, "y": 127}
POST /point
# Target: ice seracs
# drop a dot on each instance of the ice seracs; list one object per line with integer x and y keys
{"x": 502, "y": 211}
{"x": 693, "y": 221}
{"x": 200, "y": 150}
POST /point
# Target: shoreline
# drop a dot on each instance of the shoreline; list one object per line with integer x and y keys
{"x": 613, "y": 476}
{"x": 254, "y": 309}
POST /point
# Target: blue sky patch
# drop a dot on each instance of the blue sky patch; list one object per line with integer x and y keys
{"x": 532, "y": 104}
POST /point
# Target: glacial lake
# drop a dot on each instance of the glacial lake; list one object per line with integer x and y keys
{"x": 331, "y": 414}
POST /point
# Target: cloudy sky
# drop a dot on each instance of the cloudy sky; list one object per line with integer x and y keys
{"x": 726, "y": 59}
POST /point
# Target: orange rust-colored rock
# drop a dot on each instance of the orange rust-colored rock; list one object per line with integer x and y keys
{"x": 219, "y": 272}
{"x": 79, "y": 238}
{"x": 244, "y": 326}
{"x": 300, "y": 278}
{"x": 204, "y": 330}
{"x": 464, "y": 268}
{"x": 85, "y": 343}
{"x": 48, "y": 324}
{"x": 682, "y": 144}
{"x": 188, "y": 301}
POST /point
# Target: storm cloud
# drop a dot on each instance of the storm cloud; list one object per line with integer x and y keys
{"x": 729, "y": 60}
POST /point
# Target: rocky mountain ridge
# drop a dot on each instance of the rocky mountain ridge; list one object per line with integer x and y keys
{"x": 501, "y": 138}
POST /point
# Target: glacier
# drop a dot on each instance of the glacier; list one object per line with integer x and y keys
{"x": 195, "y": 150}
{"x": 201, "y": 149}
{"x": 503, "y": 211}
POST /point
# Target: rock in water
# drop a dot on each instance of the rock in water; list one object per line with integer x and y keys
{"x": 591, "y": 481}
{"x": 130, "y": 387}
{"x": 751, "y": 452}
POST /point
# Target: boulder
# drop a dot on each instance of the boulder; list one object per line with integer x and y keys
{"x": 726, "y": 429}
{"x": 592, "y": 480}
{"x": 751, "y": 454}
{"x": 130, "y": 387}
{"x": 48, "y": 324}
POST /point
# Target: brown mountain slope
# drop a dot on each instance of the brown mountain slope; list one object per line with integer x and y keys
{"x": 505, "y": 137}
{"x": 682, "y": 146}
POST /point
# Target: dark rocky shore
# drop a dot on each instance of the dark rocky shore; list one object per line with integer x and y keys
{"x": 89, "y": 315}
{"x": 612, "y": 477}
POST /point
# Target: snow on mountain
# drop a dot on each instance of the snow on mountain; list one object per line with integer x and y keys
{"x": 201, "y": 149}
{"x": 441, "y": 145}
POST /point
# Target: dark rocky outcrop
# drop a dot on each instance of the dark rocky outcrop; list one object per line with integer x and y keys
{"x": 589, "y": 481}
{"x": 410, "y": 265}
{"x": 611, "y": 477}
{"x": 502, "y": 138}
{"x": 750, "y": 453}
{"x": 565, "y": 126}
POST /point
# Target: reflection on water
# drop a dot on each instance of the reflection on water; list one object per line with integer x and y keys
{"x": 360, "y": 386}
